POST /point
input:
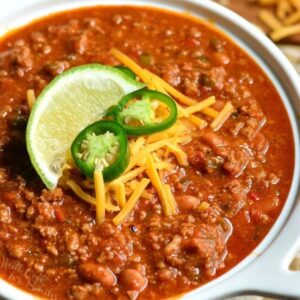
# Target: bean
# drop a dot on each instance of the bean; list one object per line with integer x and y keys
{"x": 220, "y": 58}
{"x": 188, "y": 202}
{"x": 133, "y": 280}
{"x": 96, "y": 273}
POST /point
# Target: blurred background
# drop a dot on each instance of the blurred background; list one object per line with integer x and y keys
{"x": 279, "y": 19}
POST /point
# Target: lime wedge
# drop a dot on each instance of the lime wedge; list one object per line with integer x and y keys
{"x": 73, "y": 100}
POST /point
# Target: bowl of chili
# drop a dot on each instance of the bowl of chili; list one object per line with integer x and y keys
{"x": 265, "y": 269}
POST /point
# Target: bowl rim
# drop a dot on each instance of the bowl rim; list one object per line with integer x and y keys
{"x": 33, "y": 9}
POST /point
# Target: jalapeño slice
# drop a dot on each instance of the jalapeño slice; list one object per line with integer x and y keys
{"x": 102, "y": 145}
{"x": 136, "y": 112}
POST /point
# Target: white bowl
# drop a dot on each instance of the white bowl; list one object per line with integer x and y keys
{"x": 265, "y": 270}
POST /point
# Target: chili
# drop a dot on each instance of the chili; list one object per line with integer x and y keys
{"x": 67, "y": 255}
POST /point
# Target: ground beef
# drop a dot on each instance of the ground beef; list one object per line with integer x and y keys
{"x": 5, "y": 214}
{"x": 55, "y": 68}
{"x": 86, "y": 291}
{"x": 48, "y": 232}
{"x": 22, "y": 56}
{"x": 236, "y": 160}
{"x": 52, "y": 196}
{"x": 17, "y": 250}
{"x": 72, "y": 241}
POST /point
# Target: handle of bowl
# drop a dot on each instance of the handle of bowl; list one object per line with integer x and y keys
{"x": 268, "y": 274}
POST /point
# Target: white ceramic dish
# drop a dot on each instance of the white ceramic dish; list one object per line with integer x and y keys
{"x": 265, "y": 271}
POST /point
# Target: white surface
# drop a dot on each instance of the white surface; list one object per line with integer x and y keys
{"x": 266, "y": 269}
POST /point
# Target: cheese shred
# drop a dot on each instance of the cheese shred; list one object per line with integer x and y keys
{"x": 128, "y": 62}
{"x": 180, "y": 155}
{"x": 222, "y": 117}
{"x": 210, "y": 112}
{"x": 108, "y": 204}
{"x": 120, "y": 194}
{"x": 156, "y": 182}
{"x": 200, "y": 105}
{"x": 100, "y": 196}
{"x": 130, "y": 204}
{"x": 171, "y": 199}
{"x": 148, "y": 77}
{"x": 80, "y": 193}
{"x": 30, "y": 98}
{"x": 130, "y": 175}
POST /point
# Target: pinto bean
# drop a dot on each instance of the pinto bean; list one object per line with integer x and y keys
{"x": 133, "y": 280}
{"x": 214, "y": 140}
{"x": 187, "y": 202}
{"x": 96, "y": 273}
{"x": 220, "y": 58}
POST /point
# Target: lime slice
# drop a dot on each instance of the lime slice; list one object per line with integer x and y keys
{"x": 73, "y": 100}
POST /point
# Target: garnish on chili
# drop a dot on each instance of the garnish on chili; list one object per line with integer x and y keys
{"x": 136, "y": 112}
{"x": 126, "y": 71}
{"x": 103, "y": 146}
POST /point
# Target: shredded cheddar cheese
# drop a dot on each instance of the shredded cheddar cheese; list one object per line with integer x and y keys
{"x": 100, "y": 196}
{"x": 198, "y": 121}
{"x": 130, "y": 204}
{"x": 152, "y": 156}
{"x": 30, "y": 98}
{"x": 180, "y": 155}
{"x": 120, "y": 193}
{"x": 147, "y": 76}
{"x": 108, "y": 204}
{"x": 80, "y": 193}
{"x": 157, "y": 183}
{"x": 130, "y": 64}
{"x": 77, "y": 190}
{"x": 222, "y": 117}
{"x": 158, "y": 137}
{"x": 210, "y": 112}
{"x": 200, "y": 105}
{"x": 171, "y": 199}
{"x": 130, "y": 175}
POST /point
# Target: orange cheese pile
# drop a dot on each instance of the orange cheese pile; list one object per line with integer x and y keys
{"x": 152, "y": 157}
